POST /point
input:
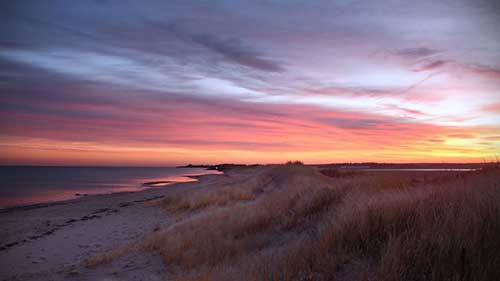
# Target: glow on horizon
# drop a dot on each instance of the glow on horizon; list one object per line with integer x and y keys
{"x": 351, "y": 82}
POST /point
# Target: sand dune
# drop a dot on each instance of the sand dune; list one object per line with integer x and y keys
{"x": 276, "y": 222}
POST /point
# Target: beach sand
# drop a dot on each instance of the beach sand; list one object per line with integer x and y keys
{"x": 51, "y": 241}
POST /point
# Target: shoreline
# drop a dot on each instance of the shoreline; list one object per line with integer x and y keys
{"x": 51, "y": 241}
{"x": 146, "y": 186}
{"x": 143, "y": 187}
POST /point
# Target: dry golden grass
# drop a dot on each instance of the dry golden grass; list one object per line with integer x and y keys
{"x": 290, "y": 194}
{"x": 291, "y": 222}
{"x": 234, "y": 190}
{"x": 440, "y": 232}
{"x": 97, "y": 260}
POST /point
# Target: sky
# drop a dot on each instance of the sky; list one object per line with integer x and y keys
{"x": 175, "y": 82}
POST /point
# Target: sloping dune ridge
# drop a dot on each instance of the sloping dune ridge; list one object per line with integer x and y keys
{"x": 292, "y": 222}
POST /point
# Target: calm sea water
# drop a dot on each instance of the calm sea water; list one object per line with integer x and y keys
{"x": 21, "y": 185}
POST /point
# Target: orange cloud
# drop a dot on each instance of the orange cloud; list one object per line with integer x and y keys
{"x": 263, "y": 134}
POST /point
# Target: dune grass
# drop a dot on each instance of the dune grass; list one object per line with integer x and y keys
{"x": 97, "y": 260}
{"x": 295, "y": 222}
{"x": 438, "y": 232}
{"x": 228, "y": 232}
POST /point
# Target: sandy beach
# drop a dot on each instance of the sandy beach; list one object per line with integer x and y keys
{"x": 51, "y": 241}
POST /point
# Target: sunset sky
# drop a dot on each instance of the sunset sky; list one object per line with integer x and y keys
{"x": 177, "y": 82}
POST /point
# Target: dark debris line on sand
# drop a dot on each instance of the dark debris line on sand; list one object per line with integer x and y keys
{"x": 93, "y": 215}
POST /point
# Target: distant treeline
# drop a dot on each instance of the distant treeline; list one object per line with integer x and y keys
{"x": 218, "y": 167}
{"x": 361, "y": 165}
{"x": 374, "y": 165}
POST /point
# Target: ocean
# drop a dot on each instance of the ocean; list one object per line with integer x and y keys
{"x": 23, "y": 185}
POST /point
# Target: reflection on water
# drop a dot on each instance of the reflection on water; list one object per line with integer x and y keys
{"x": 28, "y": 184}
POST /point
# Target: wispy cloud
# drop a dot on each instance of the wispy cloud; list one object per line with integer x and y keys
{"x": 232, "y": 48}
{"x": 485, "y": 71}
{"x": 353, "y": 123}
{"x": 428, "y": 66}
{"x": 416, "y": 53}
{"x": 492, "y": 107}
{"x": 249, "y": 79}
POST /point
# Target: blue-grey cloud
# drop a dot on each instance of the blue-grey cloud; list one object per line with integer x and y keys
{"x": 431, "y": 65}
{"x": 353, "y": 123}
{"x": 234, "y": 50}
{"x": 416, "y": 53}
